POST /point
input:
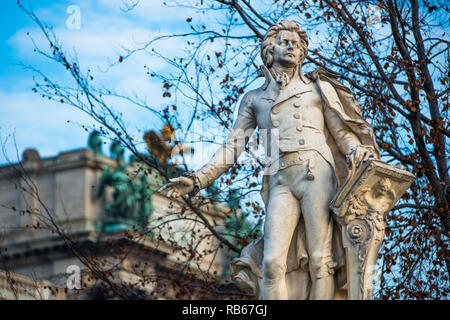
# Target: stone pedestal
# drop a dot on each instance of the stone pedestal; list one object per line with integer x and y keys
{"x": 360, "y": 207}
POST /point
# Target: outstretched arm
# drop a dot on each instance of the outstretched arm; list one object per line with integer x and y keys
{"x": 223, "y": 159}
{"x": 230, "y": 151}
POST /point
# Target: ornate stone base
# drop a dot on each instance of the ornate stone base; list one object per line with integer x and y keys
{"x": 360, "y": 207}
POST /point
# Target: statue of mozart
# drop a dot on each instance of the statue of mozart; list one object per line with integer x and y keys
{"x": 316, "y": 125}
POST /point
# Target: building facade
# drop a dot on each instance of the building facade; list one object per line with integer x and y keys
{"x": 57, "y": 231}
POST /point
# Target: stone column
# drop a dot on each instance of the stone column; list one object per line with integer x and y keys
{"x": 360, "y": 207}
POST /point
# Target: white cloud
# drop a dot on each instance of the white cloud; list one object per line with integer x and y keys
{"x": 104, "y": 29}
{"x": 98, "y": 43}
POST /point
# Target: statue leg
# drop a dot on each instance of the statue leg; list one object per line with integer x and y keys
{"x": 282, "y": 217}
{"x": 315, "y": 201}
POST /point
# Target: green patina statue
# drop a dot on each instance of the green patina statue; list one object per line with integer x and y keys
{"x": 131, "y": 197}
{"x": 95, "y": 143}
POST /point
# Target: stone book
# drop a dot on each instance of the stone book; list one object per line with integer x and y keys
{"x": 373, "y": 183}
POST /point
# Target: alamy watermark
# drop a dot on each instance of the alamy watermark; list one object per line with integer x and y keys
{"x": 73, "y": 22}
{"x": 74, "y": 280}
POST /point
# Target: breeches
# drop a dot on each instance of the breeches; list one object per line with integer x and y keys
{"x": 305, "y": 188}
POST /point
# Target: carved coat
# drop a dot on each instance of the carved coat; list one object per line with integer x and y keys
{"x": 261, "y": 107}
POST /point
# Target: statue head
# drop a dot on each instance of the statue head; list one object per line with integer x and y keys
{"x": 285, "y": 41}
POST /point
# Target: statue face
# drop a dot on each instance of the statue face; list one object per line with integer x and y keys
{"x": 286, "y": 51}
{"x": 381, "y": 189}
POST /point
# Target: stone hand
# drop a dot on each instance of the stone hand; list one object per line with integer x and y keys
{"x": 178, "y": 187}
{"x": 359, "y": 154}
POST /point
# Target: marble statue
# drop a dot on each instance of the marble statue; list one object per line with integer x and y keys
{"x": 314, "y": 135}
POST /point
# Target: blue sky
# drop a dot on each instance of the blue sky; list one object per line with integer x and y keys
{"x": 104, "y": 28}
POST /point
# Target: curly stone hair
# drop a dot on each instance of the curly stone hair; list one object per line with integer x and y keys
{"x": 269, "y": 40}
